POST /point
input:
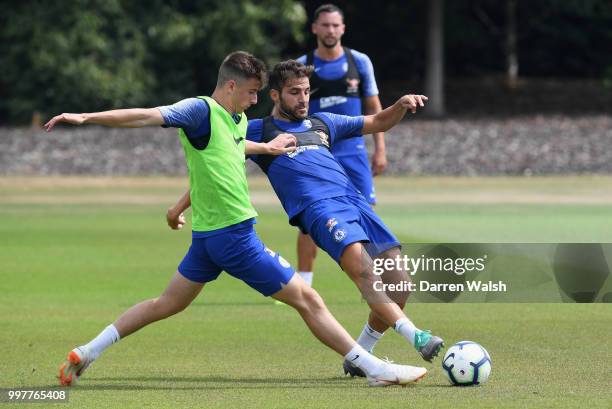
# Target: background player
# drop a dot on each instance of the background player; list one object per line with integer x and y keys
{"x": 342, "y": 83}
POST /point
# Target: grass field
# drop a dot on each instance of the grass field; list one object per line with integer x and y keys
{"x": 74, "y": 253}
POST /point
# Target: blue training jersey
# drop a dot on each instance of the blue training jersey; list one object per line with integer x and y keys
{"x": 343, "y": 104}
{"x": 311, "y": 173}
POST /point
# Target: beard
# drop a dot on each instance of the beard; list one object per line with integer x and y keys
{"x": 289, "y": 113}
{"x": 329, "y": 43}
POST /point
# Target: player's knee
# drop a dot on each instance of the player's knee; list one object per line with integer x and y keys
{"x": 312, "y": 301}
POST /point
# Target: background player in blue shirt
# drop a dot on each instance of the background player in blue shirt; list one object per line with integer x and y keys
{"x": 342, "y": 83}
{"x": 321, "y": 200}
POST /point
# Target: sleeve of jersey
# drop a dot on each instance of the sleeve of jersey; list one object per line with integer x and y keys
{"x": 302, "y": 59}
{"x": 191, "y": 114}
{"x": 366, "y": 71}
{"x": 254, "y": 133}
{"x": 342, "y": 126}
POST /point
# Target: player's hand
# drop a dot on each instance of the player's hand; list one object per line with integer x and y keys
{"x": 175, "y": 220}
{"x": 412, "y": 101}
{"x": 283, "y": 143}
{"x": 74, "y": 119}
{"x": 379, "y": 162}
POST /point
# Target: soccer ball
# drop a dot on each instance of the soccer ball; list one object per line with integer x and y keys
{"x": 467, "y": 363}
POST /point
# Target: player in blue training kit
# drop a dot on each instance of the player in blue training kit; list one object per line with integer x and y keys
{"x": 321, "y": 200}
{"x": 342, "y": 83}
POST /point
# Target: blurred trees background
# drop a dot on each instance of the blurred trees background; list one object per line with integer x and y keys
{"x": 87, "y": 55}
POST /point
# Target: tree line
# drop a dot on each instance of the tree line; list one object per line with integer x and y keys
{"x": 87, "y": 55}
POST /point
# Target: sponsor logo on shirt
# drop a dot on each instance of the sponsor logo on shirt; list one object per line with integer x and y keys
{"x": 301, "y": 149}
{"x": 331, "y": 101}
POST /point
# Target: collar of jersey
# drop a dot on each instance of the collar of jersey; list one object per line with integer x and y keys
{"x": 291, "y": 126}
{"x": 316, "y": 57}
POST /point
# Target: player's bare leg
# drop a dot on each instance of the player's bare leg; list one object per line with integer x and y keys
{"x": 177, "y": 296}
{"x": 393, "y": 276}
{"x": 324, "y": 326}
{"x": 179, "y": 293}
{"x": 315, "y": 314}
{"x": 386, "y": 309}
{"x": 306, "y": 254}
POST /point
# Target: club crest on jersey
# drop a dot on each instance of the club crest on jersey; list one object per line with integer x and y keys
{"x": 330, "y": 224}
{"x": 352, "y": 85}
{"x": 307, "y": 123}
{"x": 324, "y": 137}
{"x": 339, "y": 235}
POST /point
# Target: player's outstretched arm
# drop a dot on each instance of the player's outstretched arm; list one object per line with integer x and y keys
{"x": 372, "y": 106}
{"x": 174, "y": 215}
{"x": 118, "y": 118}
{"x": 389, "y": 117}
{"x": 283, "y": 143}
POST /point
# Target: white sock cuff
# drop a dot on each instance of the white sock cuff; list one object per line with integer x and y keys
{"x": 399, "y": 323}
{"x": 357, "y": 351}
{"x": 372, "y": 332}
{"x": 113, "y": 331}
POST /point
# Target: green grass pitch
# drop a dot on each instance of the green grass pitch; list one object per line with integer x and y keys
{"x": 75, "y": 253}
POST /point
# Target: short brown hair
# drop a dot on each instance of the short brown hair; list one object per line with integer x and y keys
{"x": 241, "y": 65}
{"x": 327, "y": 8}
{"x": 285, "y": 70}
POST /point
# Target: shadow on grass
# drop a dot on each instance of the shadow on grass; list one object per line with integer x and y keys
{"x": 220, "y": 383}
{"x": 208, "y": 383}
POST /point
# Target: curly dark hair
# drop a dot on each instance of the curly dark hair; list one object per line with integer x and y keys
{"x": 285, "y": 70}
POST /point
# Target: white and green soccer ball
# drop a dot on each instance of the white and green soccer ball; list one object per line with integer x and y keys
{"x": 467, "y": 363}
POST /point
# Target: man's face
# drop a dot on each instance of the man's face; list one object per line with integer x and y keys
{"x": 245, "y": 94}
{"x": 328, "y": 28}
{"x": 293, "y": 99}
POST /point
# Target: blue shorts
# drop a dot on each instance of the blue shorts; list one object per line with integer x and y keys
{"x": 357, "y": 168}
{"x": 337, "y": 222}
{"x": 241, "y": 254}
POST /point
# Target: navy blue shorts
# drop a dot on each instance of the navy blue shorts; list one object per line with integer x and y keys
{"x": 357, "y": 168}
{"x": 241, "y": 254}
{"x": 337, "y": 222}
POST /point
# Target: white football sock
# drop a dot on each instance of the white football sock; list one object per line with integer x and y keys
{"x": 406, "y": 328}
{"x": 105, "y": 339}
{"x": 368, "y": 338}
{"x": 307, "y": 276}
{"x": 365, "y": 361}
